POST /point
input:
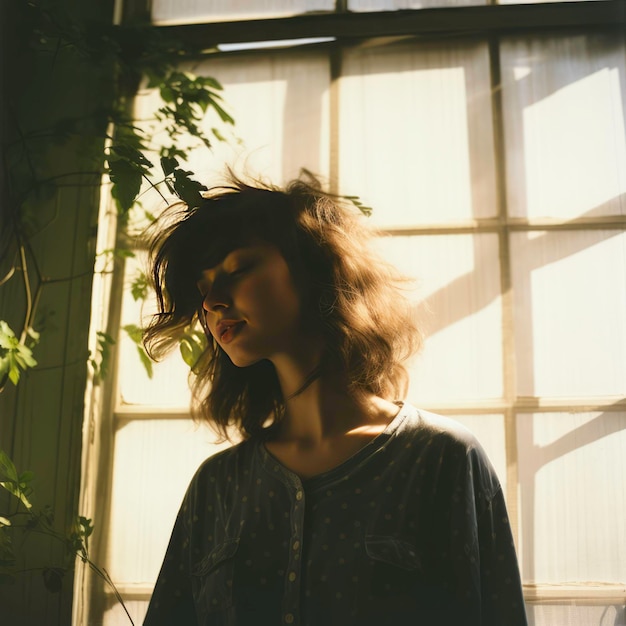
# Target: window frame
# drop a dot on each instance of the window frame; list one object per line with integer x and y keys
{"x": 487, "y": 23}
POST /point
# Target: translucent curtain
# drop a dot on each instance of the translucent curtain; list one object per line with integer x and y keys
{"x": 570, "y": 313}
{"x": 168, "y": 11}
{"x": 564, "y": 113}
{"x": 458, "y": 290}
{"x": 396, "y": 5}
{"x": 572, "y": 469}
{"x": 416, "y": 132}
{"x": 414, "y": 137}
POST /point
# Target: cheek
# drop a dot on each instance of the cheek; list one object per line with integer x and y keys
{"x": 275, "y": 298}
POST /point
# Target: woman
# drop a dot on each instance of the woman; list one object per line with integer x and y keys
{"x": 342, "y": 505}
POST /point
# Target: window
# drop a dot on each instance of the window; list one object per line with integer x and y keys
{"x": 494, "y": 154}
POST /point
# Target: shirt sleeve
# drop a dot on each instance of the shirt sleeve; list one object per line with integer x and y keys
{"x": 486, "y": 562}
{"x": 500, "y": 584}
{"x": 172, "y": 599}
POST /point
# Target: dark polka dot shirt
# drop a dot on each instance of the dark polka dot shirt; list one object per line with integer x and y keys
{"x": 412, "y": 530}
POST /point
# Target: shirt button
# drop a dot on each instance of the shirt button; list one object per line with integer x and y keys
{"x": 298, "y": 497}
{"x": 289, "y": 618}
{"x": 292, "y": 576}
{"x": 296, "y": 545}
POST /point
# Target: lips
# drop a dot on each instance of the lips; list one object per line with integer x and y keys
{"x": 226, "y": 330}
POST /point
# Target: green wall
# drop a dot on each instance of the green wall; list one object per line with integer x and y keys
{"x": 41, "y": 419}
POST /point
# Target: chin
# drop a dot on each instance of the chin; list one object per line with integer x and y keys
{"x": 242, "y": 361}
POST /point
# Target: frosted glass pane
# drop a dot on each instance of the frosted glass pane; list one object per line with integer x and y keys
{"x": 281, "y": 110}
{"x": 458, "y": 290}
{"x": 222, "y": 10}
{"x": 168, "y": 386}
{"x": 154, "y": 461}
{"x": 489, "y": 430}
{"x": 390, "y": 5}
{"x": 115, "y": 616}
{"x": 395, "y": 5}
{"x": 572, "y": 470}
{"x": 280, "y": 106}
{"x": 539, "y": 2}
{"x": 570, "y": 312}
{"x": 415, "y": 132}
{"x": 570, "y": 615}
{"x": 564, "y": 109}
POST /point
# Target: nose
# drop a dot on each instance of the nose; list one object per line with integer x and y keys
{"x": 216, "y": 297}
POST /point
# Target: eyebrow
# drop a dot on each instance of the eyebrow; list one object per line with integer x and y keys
{"x": 203, "y": 280}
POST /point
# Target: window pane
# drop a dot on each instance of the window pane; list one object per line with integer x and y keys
{"x": 168, "y": 385}
{"x": 571, "y": 615}
{"x": 564, "y": 109}
{"x": 572, "y": 469}
{"x": 415, "y": 132}
{"x": 224, "y": 10}
{"x": 570, "y": 312}
{"x": 458, "y": 283}
{"x": 390, "y": 5}
{"x": 538, "y": 2}
{"x": 115, "y": 616}
{"x": 280, "y": 105}
{"x": 154, "y": 460}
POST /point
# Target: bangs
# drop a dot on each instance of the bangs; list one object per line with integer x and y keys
{"x": 208, "y": 233}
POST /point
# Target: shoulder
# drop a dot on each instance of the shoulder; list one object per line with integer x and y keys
{"x": 229, "y": 457}
{"x": 441, "y": 442}
{"x": 431, "y": 429}
{"x": 231, "y": 462}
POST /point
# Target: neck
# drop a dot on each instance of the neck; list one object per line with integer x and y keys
{"x": 327, "y": 408}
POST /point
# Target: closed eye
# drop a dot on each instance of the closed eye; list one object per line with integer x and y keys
{"x": 241, "y": 270}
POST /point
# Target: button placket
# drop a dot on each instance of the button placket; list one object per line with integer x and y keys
{"x": 291, "y": 598}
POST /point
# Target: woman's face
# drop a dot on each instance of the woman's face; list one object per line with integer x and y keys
{"x": 251, "y": 305}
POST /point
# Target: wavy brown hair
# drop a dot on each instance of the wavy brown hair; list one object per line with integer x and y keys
{"x": 349, "y": 295}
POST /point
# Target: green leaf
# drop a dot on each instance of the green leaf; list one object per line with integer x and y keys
{"x": 120, "y": 253}
{"x": 8, "y": 340}
{"x": 218, "y": 135}
{"x": 192, "y": 345}
{"x": 167, "y": 94}
{"x": 225, "y": 117}
{"x": 53, "y": 578}
{"x": 187, "y": 189}
{"x": 24, "y": 357}
{"x": 136, "y": 335}
{"x": 100, "y": 362}
{"x": 131, "y": 154}
{"x": 7, "y": 468}
{"x": 366, "y": 210}
{"x": 12, "y": 368}
{"x": 26, "y": 477}
{"x": 33, "y": 334}
{"x": 134, "y": 332}
{"x": 86, "y": 525}
{"x": 208, "y": 81}
{"x": 126, "y": 180}
{"x": 146, "y": 361}
{"x": 14, "y": 489}
{"x": 139, "y": 286}
{"x": 168, "y": 164}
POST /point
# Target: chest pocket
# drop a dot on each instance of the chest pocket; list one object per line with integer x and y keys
{"x": 213, "y": 578}
{"x": 395, "y": 566}
{"x": 401, "y": 577}
{"x": 392, "y": 551}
